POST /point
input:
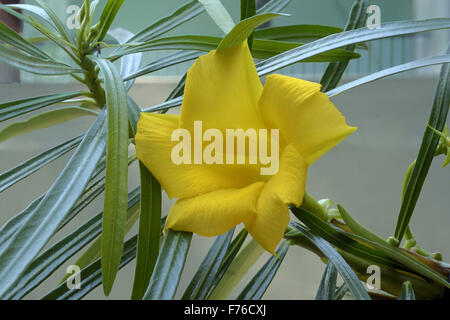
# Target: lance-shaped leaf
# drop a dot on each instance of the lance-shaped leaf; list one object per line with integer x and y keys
{"x": 107, "y": 17}
{"x": 11, "y": 177}
{"x": 327, "y": 286}
{"x": 354, "y": 284}
{"x": 430, "y": 141}
{"x": 115, "y": 205}
{"x": 169, "y": 266}
{"x": 218, "y": 14}
{"x": 44, "y": 220}
{"x": 44, "y": 120}
{"x": 419, "y": 63}
{"x": 335, "y": 71}
{"x": 256, "y": 288}
{"x": 208, "y": 270}
{"x": 12, "y": 38}
{"x": 91, "y": 276}
{"x": 274, "y": 6}
{"x": 34, "y": 64}
{"x": 387, "y": 30}
{"x": 16, "y": 108}
{"x": 56, "y": 21}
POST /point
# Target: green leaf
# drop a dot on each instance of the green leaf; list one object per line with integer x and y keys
{"x": 248, "y": 9}
{"x": 419, "y": 63}
{"x": 327, "y": 286}
{"x": 218, "y": 14}
{"x": 12, "y": 38}
{"x": 169, "y": 266}
{"x": 357, "y": 228}
{"x": 407, "y": 292}
{"x": 164, "y": 62}
{"x": 130, "y": 63}
{"x": 232, "y": 251}
{"x": 11, "y": 177}
{"x": 52, "y": 258}
{"x": 204, "y": 277}
{"x": 262, "y": 49}
{"x": 149, "y": 232}
{"x": 56, "y": 21}
{"x": 94, "y": 251}
{"x": 244, "y": 29}
{"x": 30, "y": 8}
{"x": 296, "y": 33}
{"x": 274, "y": 6}
{"x": 91, "y": 276}
{"x": 40, "y": 225}
{"x": 430, "y": 141}
{"x": 16, "y": 108}
{"x": 334, "y": 72}
{"x": 183, "y": 14}
{"x": 340, "y": 293}
{"x": 43, "y": 120}
{"x": 115, "y": 204}
{"x": 34, "y": 64}
{"x": 256, "y": 288}
{"x": 107, "y": 17}
{"x": 237, "y": 269}
{"x": 387, "y": 30}
{"x": 175, "y": 102}
{"x": 354, "y": 284}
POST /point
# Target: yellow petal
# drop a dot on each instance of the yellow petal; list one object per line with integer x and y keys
{"x": 286, "y": 187}
{"x": 214, "y": 213}
{"x": 223, "y": 89}
{"x": 154, "y": 148}
{"x": 304, "y": 115}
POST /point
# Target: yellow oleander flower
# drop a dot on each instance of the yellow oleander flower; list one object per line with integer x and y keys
{"x": 223, "y": 91}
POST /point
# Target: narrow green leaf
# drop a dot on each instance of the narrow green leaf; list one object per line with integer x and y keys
{"x": 107, "y": 17}
{"x": 149, "y": 232}
{"x": 262, "y": 49}
{"x": 334, "y": 72}
{"x": 354, "y": 284}
{"x": 91, "y": 276}
{"x": 164, "y": 62}
{"x": 169, "y": 266}
{"x": 38, "y": 11}
{"x": 248, "y": 9}
{"x": 94, "y": 251}
{"x": 218, "y": 14}
{"x": 387, "y": 30}
{"x": 430, "y": 141}
{"x": 43, "y": 120}
{"x": 12, "y": 38}
{"x": 236, "y": 271}
{"x": 407, "y": 292}
{"x": 244, "y": 29}
{"x": 44, "y": 220}
{"x": 56, "y": 21}
{"x": 175, "y": 102}
{"x": 419, "y": 63}
{"x": 327, "y": 286}
{"x": 16, "y": 108}
{"x": 232, "y": 251}
{"x": 357, "y": 228}
{"x": 274, "y": 6}
{"x": 130, "y": 63}
{"x": 52, "y": 258}
{"x": 201, "y": 283}
{"x": 297, "y": 33}
{"x": 115, "y": 205}
{"x": 34, "y": 64}
{"x": 183, "y": 14}
{"x": 25, "y": 169}
{"x": 256, "y": 288}
{"x": 340, "y": 292}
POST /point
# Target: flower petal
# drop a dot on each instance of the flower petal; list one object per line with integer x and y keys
{"x": 223, "y": 89}
{"x": 214, "y": 213}
{"x": 304, "y": 115}
{"x": 154, "y": 148}
{"x": 286, "y": 187}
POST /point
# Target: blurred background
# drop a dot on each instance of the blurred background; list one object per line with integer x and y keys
{"x": 364, "y": 173}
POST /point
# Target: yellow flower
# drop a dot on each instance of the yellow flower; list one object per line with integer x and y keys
{"x": 223, "y": 91}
